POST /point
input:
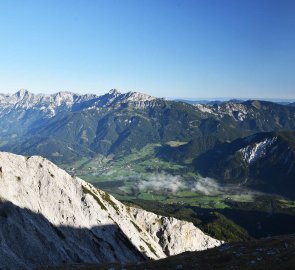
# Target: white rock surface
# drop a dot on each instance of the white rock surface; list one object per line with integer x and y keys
{"x": 173, "y": 235}
{"x": 239, "y": 112}
{"x": 65, "y": 100}
{"x": 48, "y": 217}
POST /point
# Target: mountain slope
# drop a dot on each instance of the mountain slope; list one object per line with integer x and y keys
{"x": 106, "y": 130}
{"x": 187, "y": 151}
{"x": 48, "y": 217}
{"x": 265, "y": 161}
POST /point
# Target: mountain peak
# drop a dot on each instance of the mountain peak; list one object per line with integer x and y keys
{"x": 114, "y": 92}
{"x": 137, "y": 96}
{"x": 22, "y": 93}
{"x": 62, "y": 93}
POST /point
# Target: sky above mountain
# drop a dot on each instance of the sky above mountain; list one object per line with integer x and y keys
{"x": 192, "y": 49}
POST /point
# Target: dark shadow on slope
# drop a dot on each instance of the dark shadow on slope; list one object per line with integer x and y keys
{"x": 29, "y": 240}
{"x": 259, "y": 219}
{"x": 269, "y": 253}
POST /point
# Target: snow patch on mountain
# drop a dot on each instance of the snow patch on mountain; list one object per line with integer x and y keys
{"x": 256, "y": 151}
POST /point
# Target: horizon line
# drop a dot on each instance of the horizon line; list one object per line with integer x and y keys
{"x": 217, "y": 98}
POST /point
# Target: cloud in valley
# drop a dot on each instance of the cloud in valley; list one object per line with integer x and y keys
{"x": 162, "y": 182}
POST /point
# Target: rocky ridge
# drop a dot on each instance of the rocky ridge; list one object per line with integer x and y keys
{"x": 54, "y": 103}
{"x": 241, "y": 111}
{"x": 23, "y": 112}
{"x": 48, "y": 217}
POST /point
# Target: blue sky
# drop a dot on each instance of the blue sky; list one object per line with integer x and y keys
{"x": 169, "y": 48}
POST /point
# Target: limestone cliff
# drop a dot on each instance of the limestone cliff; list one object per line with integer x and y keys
{"x": 48, "y": 217}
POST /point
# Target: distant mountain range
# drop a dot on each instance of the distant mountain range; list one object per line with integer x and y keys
{"x": 208, "y": 102}
{"x": 66, "y": 127}
{"x": 220, "y": 101}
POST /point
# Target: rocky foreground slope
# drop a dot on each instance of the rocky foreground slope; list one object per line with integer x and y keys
{"x": 264, "y": 254}
{"x": 48, "y": 217}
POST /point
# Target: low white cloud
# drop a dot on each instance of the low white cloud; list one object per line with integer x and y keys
{"x": 166, "y": 183}
{"x": 208, "y": 186}
{"x": 161, "y": 182}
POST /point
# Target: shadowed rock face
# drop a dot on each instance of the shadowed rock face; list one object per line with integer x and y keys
{"x": 48, "y": 217}
{"x": 269, "y": 253}
{"x": 28, "y": 239}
